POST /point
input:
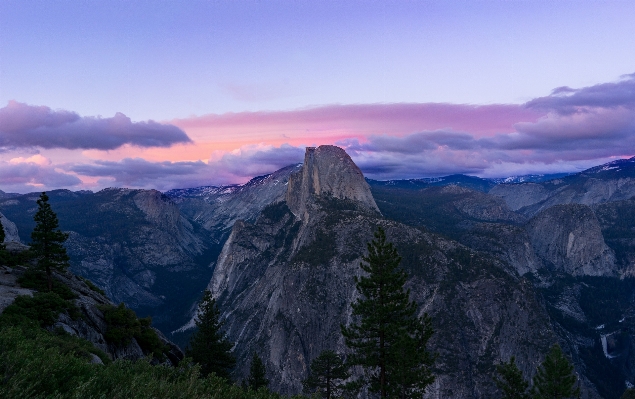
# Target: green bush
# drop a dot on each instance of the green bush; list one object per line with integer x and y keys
{"x": 148, "y": 339}
{"x": 33, "y": 367}
{"x": 77, "y": 347}
{"x": 13, "y": 259}
{"x": 42, "y": 308}
{"x": 123, "y": 325}
{"x": 36, "y": 279}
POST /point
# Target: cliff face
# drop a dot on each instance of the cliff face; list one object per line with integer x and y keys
{"x": 327, "y": 170}
{"x": 10, "y": 230}
{"x": 614, "y": 181}
{"x": 569, "y": 239}
{"x": 91, "y": 325}
{"x": 216, "y": 209}
{"x": 285, "y": 284}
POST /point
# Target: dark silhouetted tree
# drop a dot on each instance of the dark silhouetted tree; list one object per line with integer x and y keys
{"x": 47, "y": 240}
{"x": 628, "y": 394}
{"x": 208, "y": 346}
{"x": 327, "y": 375}
{"x": 257, "y": 374}
{"x": 510, "y": 381}
{"x": 388, "y": 339}
{"x": 555, "y": 378}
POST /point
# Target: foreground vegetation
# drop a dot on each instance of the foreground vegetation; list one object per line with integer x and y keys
{"x": 34, "y": 365}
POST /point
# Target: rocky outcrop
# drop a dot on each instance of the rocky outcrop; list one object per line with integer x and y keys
{"x": 569, "y": 239}
{"x": 476, "y": 205}
{"x": 327, "y": 170}
{"x": 10, "y": 230}
{"x": 614, "y": 181}
{"x": 518, "y": 196}
{"x": 216, "y": 209}
{"x": 618, "y": 225}
{"x": 509, "y": 243}
{"x": 91, "y": 326}
{"x": 9, "y": 287}
{"x": 285, "y": 284}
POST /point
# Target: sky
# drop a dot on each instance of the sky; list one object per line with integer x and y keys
{"x": 168, "y": 94}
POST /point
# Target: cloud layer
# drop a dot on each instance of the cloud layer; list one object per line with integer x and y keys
{"x": 23, "y": 125}
{"x": 566, "y": 131}
{"x": 35, "y": 173}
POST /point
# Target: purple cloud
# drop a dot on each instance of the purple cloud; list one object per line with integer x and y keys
{"x": 23, "y": 125}
{"x": 565, "y": 100}
{"x": 581, "y": 127}
{"x": 139, "y": 173}
{"x": 26, "y": 175}
{"x": 227, "y": 168}
{"x": 254, "y": 160}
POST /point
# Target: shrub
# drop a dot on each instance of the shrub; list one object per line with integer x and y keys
{"x": 42, "y": 308}
{"x": 33, "y": 367}
{"x": 36, "y": 279}
{"x": 123, "y": 325}
{"x": 92, "y": 286}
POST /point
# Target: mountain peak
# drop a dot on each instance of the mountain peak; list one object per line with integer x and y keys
{"x": 327, "y": 170}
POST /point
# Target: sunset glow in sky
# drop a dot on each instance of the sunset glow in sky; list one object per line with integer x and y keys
{"x": 147, "y": 94}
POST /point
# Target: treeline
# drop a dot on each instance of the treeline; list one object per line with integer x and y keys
{"x": 387, "y": 343}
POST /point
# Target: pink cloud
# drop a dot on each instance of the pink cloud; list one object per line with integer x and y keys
{"x": 23, "y": 125}
{"x": 34, "y": 174}
{"x": 340, "y": 121}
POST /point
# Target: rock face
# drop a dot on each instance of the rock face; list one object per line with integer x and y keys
{"x": 91, "y": 326}
{"x": 217, "y": 208}
{"x": 285, "y": 284}
{"x": 327, "y": 170}
{"x": 9, "y": 287}
{"x": 10, "y": 230}
{"x": 518, "y": 196}
{"x": 569, "y": 239}
{"x": 614, "y": 181}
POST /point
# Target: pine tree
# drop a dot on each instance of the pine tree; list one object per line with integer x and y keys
{"x": 208, "y": 346}
{"x": 628, "y": 394}
{"x": 327, "y": 375}
{"x": 257, "y": 374}
{"x": 555, "y": 378}
{"x": 47, "y": 240}
{"x": 389, "y": 341}
{"x": 510, "y": 381}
